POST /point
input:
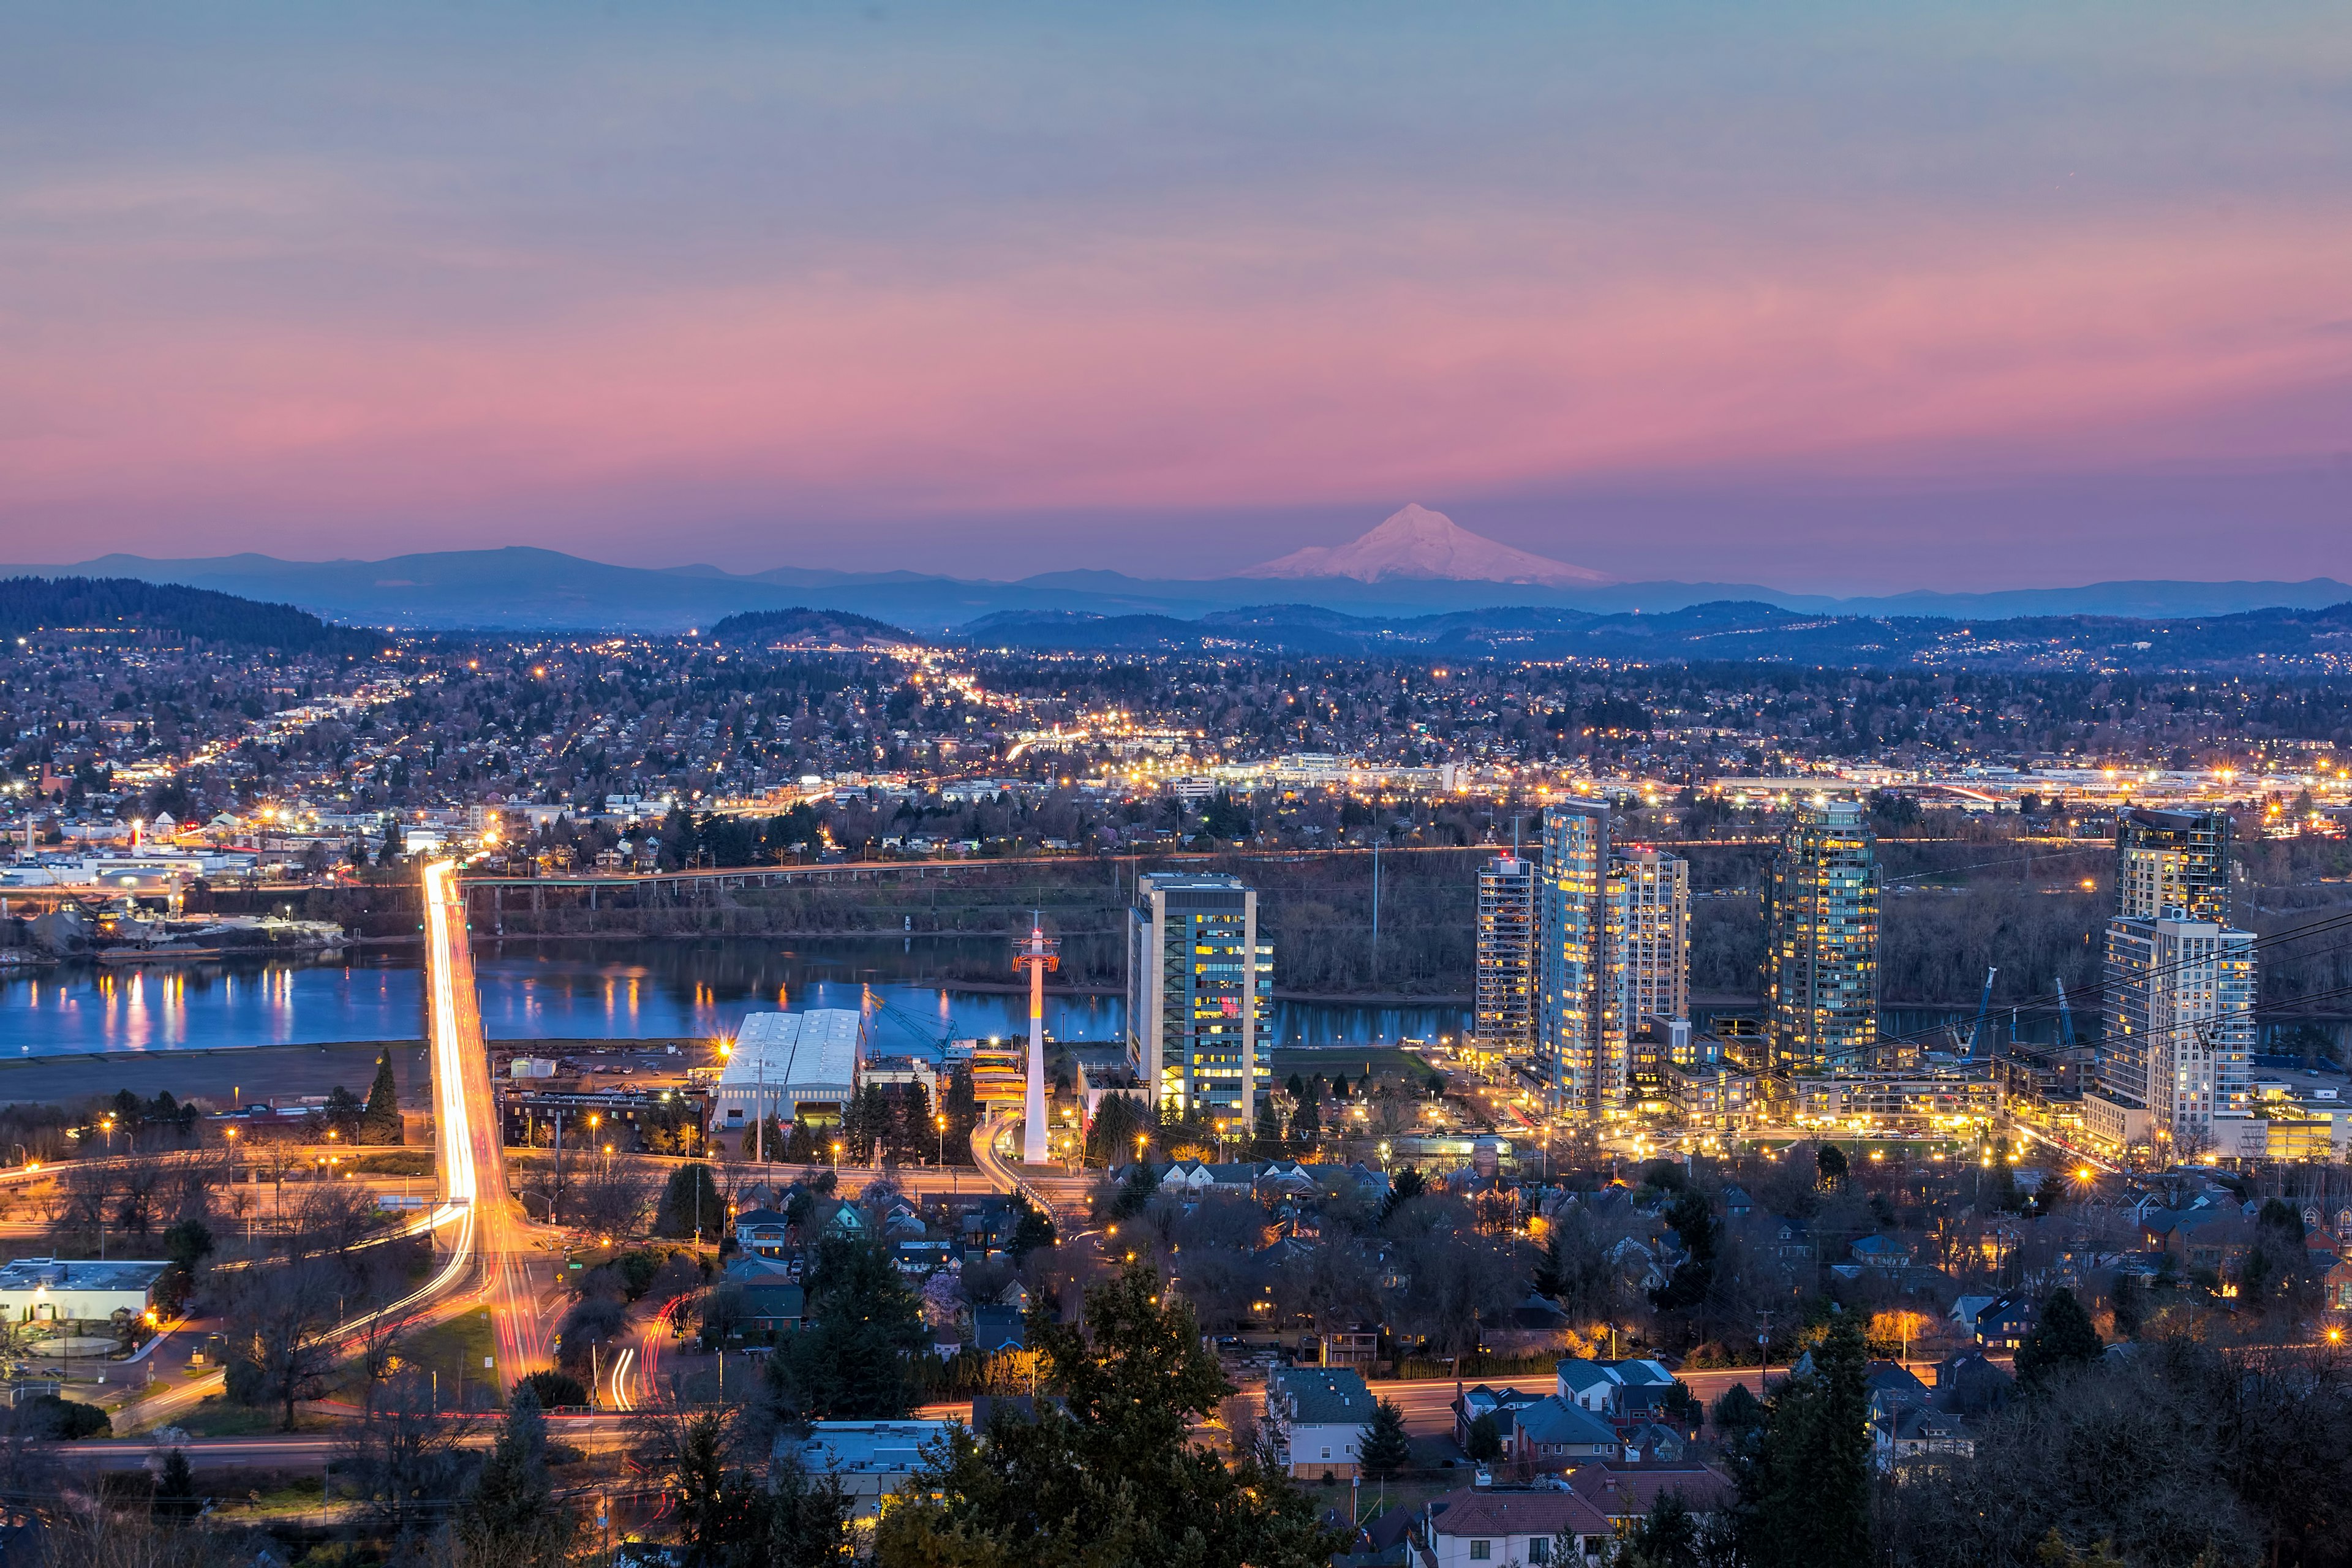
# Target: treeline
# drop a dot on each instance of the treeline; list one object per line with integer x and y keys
{"x": 29, "y": 605}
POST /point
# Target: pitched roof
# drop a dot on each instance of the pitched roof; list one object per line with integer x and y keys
{"x": 1623, "y": 1492}
{"x": 1327, "y": 1396}
{"x": 1559, "y": 1422}
{"x": 1480, "y": 1511}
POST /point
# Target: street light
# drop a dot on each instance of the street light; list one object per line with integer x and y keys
{"x": 941, "y": 1123}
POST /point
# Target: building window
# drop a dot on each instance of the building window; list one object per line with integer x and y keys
{"x": 1480, "y": 1550}
{"x": 1538, "y": 1549}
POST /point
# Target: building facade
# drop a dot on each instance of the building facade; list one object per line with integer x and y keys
{"x": 1649, "y": 936}
{"x": 2172, "y": 861}
{"x": 1200, "y": 994}
{"x": 1505, "y": 1001}
{"x": 2181, "y": 1029}
{"x": 1822, "y": 940}
{"x": 1582, "y": 1060}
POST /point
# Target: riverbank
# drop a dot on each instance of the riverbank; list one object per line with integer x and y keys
{"x": 224, "y": 1076}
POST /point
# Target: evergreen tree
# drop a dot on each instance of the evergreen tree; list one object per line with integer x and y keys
{"x": 1404, "y": 1187}
{"x": 855, "y": 1359}
{"x": 1804, "y": 1488}
{"x": 175, "y": 1500}
{"x": 380, "y": 1122}
{"x": 1385, "y": 1448}
{"x": 1266, "y": 1131}
{"x": 1667, "y": 1537}
{"x": 1737, "y": 1414}
{"x": 2064, "y": 1337}
{"x": 510, "y": 1516}
{"x": 1485, "y": 1441}
{"x": 690, "y": 1204}
{"x": 1110, "y": 1476}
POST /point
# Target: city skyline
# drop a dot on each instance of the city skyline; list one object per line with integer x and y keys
{"x": 1805, "y": 301}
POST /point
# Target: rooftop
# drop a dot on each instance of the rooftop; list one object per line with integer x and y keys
{"x": 80, "y": 1273}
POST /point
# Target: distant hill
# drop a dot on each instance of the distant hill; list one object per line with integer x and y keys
{"x": 30, "y": 606}
{"x": 2285, "y": 641}
{"x": 803, "y": 627}
{"x": 532, "y": 589}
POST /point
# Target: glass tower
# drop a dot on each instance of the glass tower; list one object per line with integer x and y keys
{"x": 1822, "y": 940}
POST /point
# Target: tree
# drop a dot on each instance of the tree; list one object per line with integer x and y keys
{"x": 1804, "y": 1488}
{"x": 405, "y": 1459}
{"x": 1694, "y": 1223}
{"x": 380, "y": 1122}
{"x": 1404, "y": 1187}
{"x": 690, "y": 1204}
{"x": 2064, "y": 1337}
{"x": 1386, "y": 1449}
{"x": 175, "y": 1500}
{"x": 1666, "y": 1537}
{"x": 508, "y": 1516}
{"x": 187, "y": 1244}
{"x": 278, "y": 1315}
{"x": 854, "y": 1362}
{"x": 1110, "y": 1476}
{"x": 1737, "y": 1414}
{"x": 1486, "y": 1440}
{"x": 1830, "y": 1160}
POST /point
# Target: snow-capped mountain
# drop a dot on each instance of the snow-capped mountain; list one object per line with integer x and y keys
{"x": 1419, "y": 542}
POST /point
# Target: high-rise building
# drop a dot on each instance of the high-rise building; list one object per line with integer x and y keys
{"x": 1578, "y": 1048}
{"x": 1505, "y": 1001}
{"x": 1822, "y": 940}
{"x": 2179, "y": 1028}
{"x": 1200, "y": 994}
{"x": 2171, "y": 862}
{"x": 1649, "y": 936}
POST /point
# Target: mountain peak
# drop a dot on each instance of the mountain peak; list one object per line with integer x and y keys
{"x": 1415, "y": 542}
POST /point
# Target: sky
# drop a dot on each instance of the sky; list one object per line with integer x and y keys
{"x": 1829, "y": 297}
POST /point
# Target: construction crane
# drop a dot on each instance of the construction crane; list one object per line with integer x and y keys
{"x": 2065, "y": 1019}
{"x": 931, "y": 1032}
{"x": 1984, "y": 1005}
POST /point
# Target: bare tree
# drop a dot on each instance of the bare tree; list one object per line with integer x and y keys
{"x": 611, "y": 1200}
{"x": 282, "y": 1315}
{"x": 407, "y": 1460}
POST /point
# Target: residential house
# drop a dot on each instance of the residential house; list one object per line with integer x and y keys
{"x": 1617, "y": 1390}
{"x": 1790, "y": 1240}
{"x": 763, "y": 1232}
{"x": 1318, "y": 1414}
{"x": 1969, "y": 1385}
{"x": 1490, "y": 1527}
{"x": 1914, "y": 1432}
{"x": 1883, "y": 1253}
{"x": 1502, "y": 1405}
{"x": 1554, "y": 1435}
{"x": 2006, "y": 1324}
{"x": 995, "y": 1329}
{"x": 1736, "y": 1205}
{"x": 1623, "y": 1494}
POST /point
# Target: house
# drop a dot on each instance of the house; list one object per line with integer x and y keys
{"x": 1916, "y": 1432}
{"x": 1883, "y": 1253}
{"x": 1617, "y": 1389}
{"x": 995, "y": 1329}
{"x": 1889, "y": 1386}
{"x": 1554, "y": 1435}
{"x": 48, "y": 1290}
{"x": 765, "y": 1232}
{"x": 1318, "y": 1414}
{"x": 844, "y": 1221}
{"x": 1357, "y": 1346}
{"x": 1654, "y": 1443}
{"x": 1789, "y": 1238}
{"x": 870, "y": 1459}
{"x": 779, "y": 1306}
{"x": 1624, "y": 1493}
{"x": 2007, "y": 1323}
{"x": 1737, "y": 1204}
{"x": 1969, "y": 1385}
{"x": 1965, "y": 1309}
{"x": 1490, "y": 1527}
{"x": 1502, "y": 1405}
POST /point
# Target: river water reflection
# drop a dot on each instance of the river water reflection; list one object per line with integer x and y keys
{"x": 622, "y": 990}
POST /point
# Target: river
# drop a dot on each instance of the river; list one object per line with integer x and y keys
{"x": 616, "y": 990}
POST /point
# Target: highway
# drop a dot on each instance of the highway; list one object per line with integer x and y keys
{"x": 473, "y": 1158}
{"x": 476, "y": 1217}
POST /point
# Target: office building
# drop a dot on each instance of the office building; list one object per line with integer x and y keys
{"x": 2170, "y": 862}
{"x": 2179, "y": 1030}
{"x": 1200, "y": 994}
{"x": 1504, "y": 1012}
{"x": 1578, "y": 1051}
{"x": 1822, "y": 940}
{"x": 1649, "y": 936}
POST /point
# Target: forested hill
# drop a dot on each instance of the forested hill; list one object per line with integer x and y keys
{"x": 802, "y": 628}
{"x": 32, "y": 606}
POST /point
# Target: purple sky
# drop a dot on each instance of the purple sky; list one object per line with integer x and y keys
{"x": 1828, "y": 297}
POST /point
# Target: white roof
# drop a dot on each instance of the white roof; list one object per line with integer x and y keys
{"x": 794, "y": 1053}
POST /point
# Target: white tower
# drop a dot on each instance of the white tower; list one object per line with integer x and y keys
{"x": 1037, "y": 955}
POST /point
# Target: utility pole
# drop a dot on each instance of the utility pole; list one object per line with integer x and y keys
{"x": 1376, "y": 906}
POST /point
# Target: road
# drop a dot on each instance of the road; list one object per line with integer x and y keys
{"x": 473, "y": 1156}
{"x": 476, "y": 1219}
{"x": 1063, "y": 1196}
